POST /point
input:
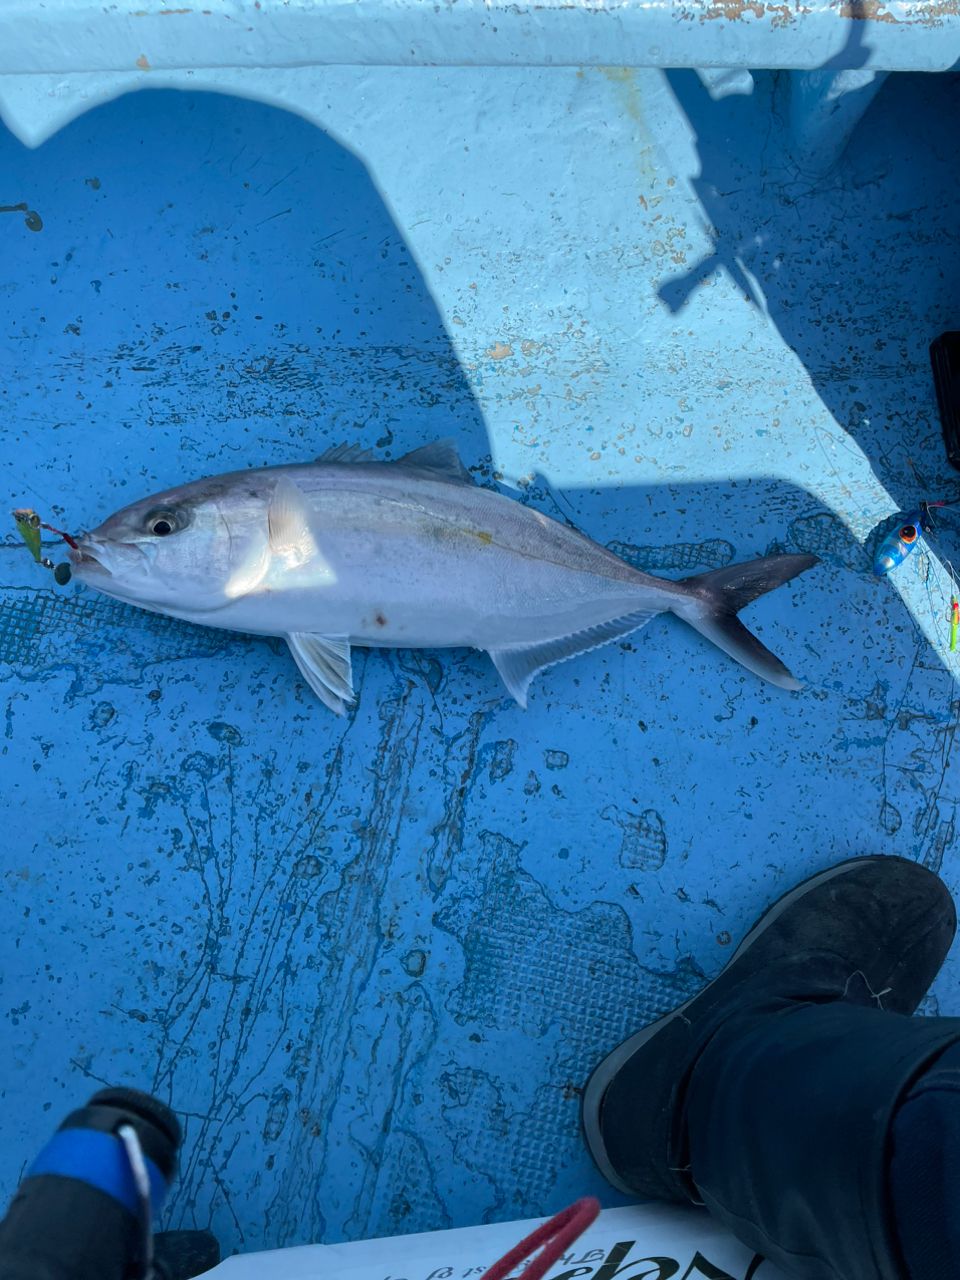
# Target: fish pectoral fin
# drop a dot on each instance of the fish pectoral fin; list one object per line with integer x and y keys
{"x": 520, "y": 663}
{"x": 440, "y": 461}
{"x": 325, "y": 664}
{"x": 289, "y": 518}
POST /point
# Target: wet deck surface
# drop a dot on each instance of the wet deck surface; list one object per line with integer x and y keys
{"x": 371, "y": 961}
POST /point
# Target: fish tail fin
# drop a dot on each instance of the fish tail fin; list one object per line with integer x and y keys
{"x": 714, "y": 600}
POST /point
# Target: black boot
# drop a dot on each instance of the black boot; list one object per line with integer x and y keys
{"x": 769, "y": 1096}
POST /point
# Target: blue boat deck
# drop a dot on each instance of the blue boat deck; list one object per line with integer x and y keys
{"x": 372, "y": 960}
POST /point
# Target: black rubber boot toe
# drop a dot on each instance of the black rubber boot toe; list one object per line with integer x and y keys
{"x": 872, "y": 931}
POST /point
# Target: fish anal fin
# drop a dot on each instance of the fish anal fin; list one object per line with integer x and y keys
{"x": 325, "y": 663}
{"x": 518, "y": 664}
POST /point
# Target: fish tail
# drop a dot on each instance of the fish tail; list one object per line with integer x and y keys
{"x": 713, "y": 600}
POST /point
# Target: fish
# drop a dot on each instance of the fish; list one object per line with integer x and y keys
{"x": 353, "y": 551}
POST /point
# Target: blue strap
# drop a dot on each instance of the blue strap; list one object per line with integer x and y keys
{"x": 99, "y": 1159}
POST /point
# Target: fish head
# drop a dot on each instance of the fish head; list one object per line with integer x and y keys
{"x": 175, "y": 552}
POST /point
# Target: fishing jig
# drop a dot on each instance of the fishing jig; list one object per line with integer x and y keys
{"x": 29, "y": 526}
{"x": 904, "y": 539}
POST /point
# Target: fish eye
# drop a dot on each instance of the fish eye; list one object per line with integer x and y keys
{"x": 162, "y": 523}
{"x": 909, "y": 533}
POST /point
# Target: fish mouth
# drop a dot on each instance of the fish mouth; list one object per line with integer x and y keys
{"x": 84, "y": 557}
{"x": 125, "y": 562}
{"x": 90, "y": 558}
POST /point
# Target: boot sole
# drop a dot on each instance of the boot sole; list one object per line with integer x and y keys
{"x": 603, "y": 1074}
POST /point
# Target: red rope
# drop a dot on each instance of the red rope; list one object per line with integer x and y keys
{"x": 553, "y": 1238}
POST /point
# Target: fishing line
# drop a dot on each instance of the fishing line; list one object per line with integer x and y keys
{"x": 893, "y": 549}
{"x": 917, "y": 530}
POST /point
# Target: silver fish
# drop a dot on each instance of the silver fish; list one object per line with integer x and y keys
{"x": 407, "y": 554}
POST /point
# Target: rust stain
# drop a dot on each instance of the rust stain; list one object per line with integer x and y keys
{"x": 484, "y": 537}
{"x": 868, "y": 10}
{"x": 732, "y": 10}
{"x": 499, "y": 351}
{"x": 379, "y": 619}
{"x": 142, "y": 62}
{"x": 626, "y": 79}
{"x": 929, "y": 14}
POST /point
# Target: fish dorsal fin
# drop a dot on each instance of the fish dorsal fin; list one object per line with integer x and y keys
{"x": 326, "y": 665}
{"x": 345, "y": 453}
{"x": 440, "y": 459}
{"x": 520, "y": 663}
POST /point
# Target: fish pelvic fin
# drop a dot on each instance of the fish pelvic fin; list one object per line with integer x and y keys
{"x": 325, "y": 663}
{"x": 713, "y": 601}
